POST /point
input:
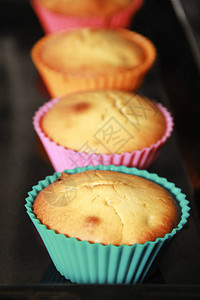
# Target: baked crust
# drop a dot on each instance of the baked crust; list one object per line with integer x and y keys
{"x": 85, "y": 8}
{"x": 107, "y": 207}
{"x": 113, "y": 74}
{"x": 90, "y": 51}
{"x": 107, "y": 121}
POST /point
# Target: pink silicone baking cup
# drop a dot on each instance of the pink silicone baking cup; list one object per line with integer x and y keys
{"x": 53, "y": 22}
{"x": 63, "y": 158}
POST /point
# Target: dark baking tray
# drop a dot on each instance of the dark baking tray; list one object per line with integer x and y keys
{"x": 25, "y": 267}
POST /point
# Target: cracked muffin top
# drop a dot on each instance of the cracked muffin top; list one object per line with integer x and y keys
{"x": 91, "y": 51}
{"x": 107, "y": 207}
{"x": 85, "y": 8}
{"x": 104, "y": 122}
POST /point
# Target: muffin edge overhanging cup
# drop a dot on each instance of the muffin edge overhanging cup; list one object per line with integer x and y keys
{"x": 94, "y": 263}
{"x": 54, "y": 22}
{"x": 60, "y": 83}
{"x": 64, "y": 158}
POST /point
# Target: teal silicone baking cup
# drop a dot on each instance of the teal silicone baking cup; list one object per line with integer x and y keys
{"x": 93, "y": 263}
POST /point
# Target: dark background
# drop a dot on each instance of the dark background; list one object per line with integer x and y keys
{"x": 25, "y": 268}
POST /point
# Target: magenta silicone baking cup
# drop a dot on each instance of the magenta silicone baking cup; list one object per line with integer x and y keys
{"x": 63, "y": 158}
{"x": 53, "y": 22}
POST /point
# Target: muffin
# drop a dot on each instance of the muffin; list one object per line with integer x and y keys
{"x": 107, "y": 207}
{"x": 102, "y": 127}
{"x": 88, "y": 59}
{"x": 56, "y": 15}
{"x": 86, "y": 8}
{"x": 106, "y": 224}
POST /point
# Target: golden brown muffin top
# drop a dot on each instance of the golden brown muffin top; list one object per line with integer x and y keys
{"x": 107, "y": 207}
{"x": 90, "y": 51}
{"x": 85, "y": 8}
{"x": 104, "y": 122}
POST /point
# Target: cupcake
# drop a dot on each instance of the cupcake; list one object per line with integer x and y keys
{"x": 102, "y": 127}
{"x": 88, "y": 59}
{"x": 106, "y": 224}
{"x": 56, "y": 15}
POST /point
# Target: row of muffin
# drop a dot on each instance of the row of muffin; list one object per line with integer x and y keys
{"x": 101, "y": 220}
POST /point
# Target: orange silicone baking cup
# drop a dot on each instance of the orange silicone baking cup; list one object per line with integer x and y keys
{"x": 60, "y": 83}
